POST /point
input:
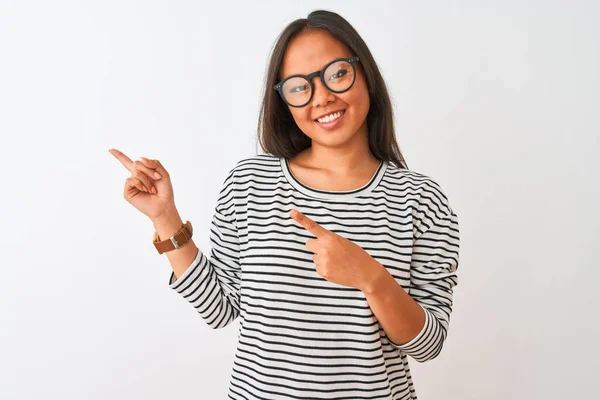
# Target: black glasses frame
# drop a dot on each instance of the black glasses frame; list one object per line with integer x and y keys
{"x": 321, "y": 74}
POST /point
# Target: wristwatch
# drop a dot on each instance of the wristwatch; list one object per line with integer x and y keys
{"x": 178, "y": 240}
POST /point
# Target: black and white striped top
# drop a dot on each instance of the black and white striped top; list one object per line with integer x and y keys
{"x": 302, "y": 336}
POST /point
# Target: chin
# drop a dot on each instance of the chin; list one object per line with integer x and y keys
{"x": 333, "y": 138}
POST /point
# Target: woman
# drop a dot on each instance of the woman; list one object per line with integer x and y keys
{"x": 338, "y": 260}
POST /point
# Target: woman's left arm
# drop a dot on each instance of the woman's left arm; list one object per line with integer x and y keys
{"x": 417, "y": 323}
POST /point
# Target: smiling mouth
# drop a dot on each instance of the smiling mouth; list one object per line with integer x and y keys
{"x": 330, "y": 117}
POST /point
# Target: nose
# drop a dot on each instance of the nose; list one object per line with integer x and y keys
{"x": 321, "y": 96}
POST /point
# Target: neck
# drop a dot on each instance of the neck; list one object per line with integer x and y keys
{"x": 351, "y": 156}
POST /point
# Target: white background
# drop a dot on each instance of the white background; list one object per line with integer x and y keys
{"x": 497, "y": 101}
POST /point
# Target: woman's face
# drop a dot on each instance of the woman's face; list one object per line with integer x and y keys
{"x": 311, "y": 51}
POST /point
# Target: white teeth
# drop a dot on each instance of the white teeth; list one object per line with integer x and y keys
{"x": 330, "y": 117}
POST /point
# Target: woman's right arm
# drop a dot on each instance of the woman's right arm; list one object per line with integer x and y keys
{"x": 209, "y": 282}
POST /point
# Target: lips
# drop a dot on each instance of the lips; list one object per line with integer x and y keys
{"x": 331, "y": 121}
{"x": 330, "y": 117}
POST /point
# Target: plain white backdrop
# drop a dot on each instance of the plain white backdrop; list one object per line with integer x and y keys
{"x": 497, "y": 101}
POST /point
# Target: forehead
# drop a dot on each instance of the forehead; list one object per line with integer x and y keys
{"x": 310, "y": 51}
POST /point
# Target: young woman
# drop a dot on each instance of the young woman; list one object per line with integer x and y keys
{"x": 338, "y": 260}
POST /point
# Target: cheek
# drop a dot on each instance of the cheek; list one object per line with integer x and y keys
{"x": 362, "y": 97}
{"x": 302, "y": 118}
{"x": 359, "y": 100}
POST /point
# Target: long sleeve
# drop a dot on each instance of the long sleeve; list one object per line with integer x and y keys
{"x": 301, "y": 336}
{"x": 212, "y": 284}
{"x": 434, "y": 267}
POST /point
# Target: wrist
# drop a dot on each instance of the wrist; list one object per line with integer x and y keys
{"x": 167, "y": 224}
{"x": 378, "y": 281}
{"x": 169, "y": 214}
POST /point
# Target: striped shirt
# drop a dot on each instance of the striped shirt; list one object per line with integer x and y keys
{"x": 301, "y": 336}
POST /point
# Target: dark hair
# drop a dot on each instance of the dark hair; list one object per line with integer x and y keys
{"x": 279, "y": 135}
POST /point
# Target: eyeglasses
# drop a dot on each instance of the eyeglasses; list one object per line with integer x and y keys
{"x": 338, "y": 76}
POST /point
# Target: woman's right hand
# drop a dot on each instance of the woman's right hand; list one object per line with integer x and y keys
{"x": 149, "y": 193}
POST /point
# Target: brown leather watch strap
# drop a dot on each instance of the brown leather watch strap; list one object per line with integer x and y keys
{"x": 178, "y": 240}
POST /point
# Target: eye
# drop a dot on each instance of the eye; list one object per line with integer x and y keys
{"x": 300, "y": 88}
{"x": 338, "y": 74}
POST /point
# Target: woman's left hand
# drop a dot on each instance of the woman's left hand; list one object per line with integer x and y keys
{"x": 338, "y": 259}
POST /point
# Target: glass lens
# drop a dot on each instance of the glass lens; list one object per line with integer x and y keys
{"x": 296, "y": 91}
{"x": 339, "y": 76}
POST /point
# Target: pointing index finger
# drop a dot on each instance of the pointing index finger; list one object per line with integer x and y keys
{"x": 308, "y": 223}
{"x": 126, "y": 161}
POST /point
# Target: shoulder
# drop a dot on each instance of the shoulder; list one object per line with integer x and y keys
{"x": 427, "y": 195}
{"x": 266, "y": 163}
{"x": 249, "y": 168}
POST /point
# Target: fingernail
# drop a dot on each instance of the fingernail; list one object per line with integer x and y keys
{"x": 157, "y": 175}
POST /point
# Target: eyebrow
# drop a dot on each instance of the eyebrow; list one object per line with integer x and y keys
{"x": 320, "y": 69}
